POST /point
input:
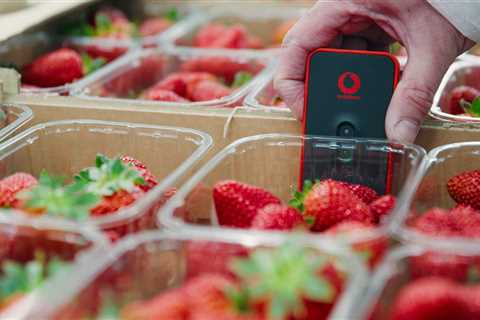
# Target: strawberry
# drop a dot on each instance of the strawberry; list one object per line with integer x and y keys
{"x": 118, "y": 184}
{"x": 148, "y": 177}
{"x": 465, "y": 93}
{"x": 153, "y": 26}
{"x": 450, "y": 266}
{"x": 170, "y": 305}
{"x": 432, "y": 298}
{"x": 309, "y": 294}
{"x": 163, "y": 95}
{"x": 329, "y": 202}
{"x": 205, "y": 256}
{"x": 365, "y": 193}
{"x": 221, "y": 66}
{"x": 12, "y": 185}
{"x": 236, "y": 203}
{"x": 50, "y": 196}
{"x": 464, "y": 188}
{"x": 278, "y": 217}
{"x": 382, "y": 207}
{"x": 54, "y": 69}
{"x": 182, "y": 82}
{"x": 372, "y": 250}
{"x": 209, "y": 90}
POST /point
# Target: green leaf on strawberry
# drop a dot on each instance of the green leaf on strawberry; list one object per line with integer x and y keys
{"x": 472, "y": 108}
{"x": 19, "y": 278}
{"x": 54, "y": 198}
{"x": 241, "y": 78}
{"x": 172, "y": 15}
{"x": 283, "y": 278}
{"x": 299, "y": 196}
{"x": 109, "y": 176}
{"x": 103, "y": 24}
{"x": 90, "y": 64}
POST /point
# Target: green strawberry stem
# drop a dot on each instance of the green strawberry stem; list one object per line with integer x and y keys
{"x": 283, "y": 277}
{"x": 241, "y": 78}
{"x": 18, "y": 278}
{"x": 90, "y": 65}
{"x": 56, "y": 199}
{"x": 172, "y": 15}
{"x": 109, "y": 176}
{"x": 299, "y": 196}
{"x": 472, "y": 108}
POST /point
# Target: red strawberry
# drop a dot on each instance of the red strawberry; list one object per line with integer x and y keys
{"x": 466, "y": 93}
{"x": 109, "y": 53}
{"x": 278, "y": 217}
{"x": 467, "y": 220}
{"x": 170, "y": 305}
{"x": 382, "y": 206}
{"x": 54, "y": 69}
{"x": 162, "y": 95}
{"x": 12, "y": 185}
{"x": 154, "y": 26}
{"x": 365, "y": 193}
{"x": 180, "y": 82}
{"x": 206, "y": 295}
{"x": 221, "y": 36}
{"x": 148, "y": 177}
{"x": 329, "y": 202}
{"x": 432, "y": 298}
{"x": 435, "y": 221}
{"x": 372, "y": 250}
{"x": 464, "y": 188}
{"x": 209, "y": 90}
{"x": 115, "y": 202}
{"x": 204, "y": 257}
{"x": 221, "y": 66}
{"x": 237, "y": 203}
{"x": 450, "y": 266}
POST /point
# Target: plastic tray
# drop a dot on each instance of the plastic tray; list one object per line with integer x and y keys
{"x": 389, "y": 278}
{"x": 23, "y": 49}
{"x": 272, "y": 161}
{"x": 66, "y": 147}
{"x": 141, "y": 69}
{"x": 430, "y": 190}
{"x": 459, "y": 73}
{"x": 260, "y": 22}
{"x": 264, "y": 95}
{"x": 16, "y": 117}
{"x": 22, "y": 237}
{"x": 142, "y": 266}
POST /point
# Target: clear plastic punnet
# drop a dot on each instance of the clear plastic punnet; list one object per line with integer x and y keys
{"x": 142, "y": 267}
{"x": 33, "y": 245}
{"x": 264, "y": 96}
{"x": 264, "y": 27}
{"x": 63, "y": 148}
{"x": 273, "y": 162}
{"x": 33, "y": 46}
{"x": 14, "y": 117}
{"x": 460, "y": 73}
{"x": 407, "y": 276}
{"x": 135, "y": 74}
{"x": 431, "y": 190}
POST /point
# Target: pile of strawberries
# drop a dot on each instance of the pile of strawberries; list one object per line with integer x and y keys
{"x": 461, "y": 221}
{"x": 465, "y": 101}
{"x": 237, "y": 36}
{"x": 250, "y": 287}
{"x": 105, "y": 188}
{"x": 197, "y": 79}
{"x": 329, "y": 206}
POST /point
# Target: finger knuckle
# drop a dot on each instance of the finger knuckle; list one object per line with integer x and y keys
{"x": 418, "y": 95}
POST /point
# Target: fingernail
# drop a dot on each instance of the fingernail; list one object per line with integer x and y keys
{"x": 406, "y": 130}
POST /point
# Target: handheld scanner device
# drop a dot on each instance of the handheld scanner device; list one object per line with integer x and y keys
{"x": 347, "y": 93}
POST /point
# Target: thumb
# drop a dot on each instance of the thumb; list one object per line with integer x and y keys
{"x": 414, "y": 94}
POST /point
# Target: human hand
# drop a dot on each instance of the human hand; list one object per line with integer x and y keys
{"x": 432, "y": 43}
